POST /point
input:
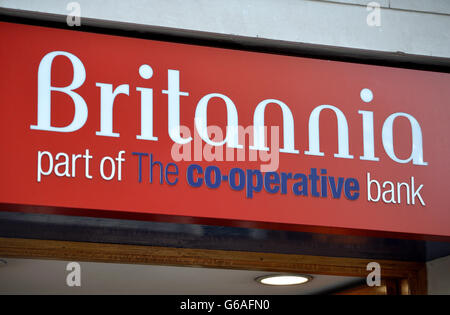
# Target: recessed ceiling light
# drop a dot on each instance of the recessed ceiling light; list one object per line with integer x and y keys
{"x": 283, "y": 280}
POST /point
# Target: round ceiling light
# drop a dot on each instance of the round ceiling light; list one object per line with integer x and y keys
{"x": 283, "y": 280}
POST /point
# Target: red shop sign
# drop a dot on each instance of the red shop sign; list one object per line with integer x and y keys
{"x": 111, "y": 126}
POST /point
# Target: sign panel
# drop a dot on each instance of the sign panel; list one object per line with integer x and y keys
{"x": 96, "y": 124}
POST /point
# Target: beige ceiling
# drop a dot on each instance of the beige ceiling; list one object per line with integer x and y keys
{"x": 30, "y": 276}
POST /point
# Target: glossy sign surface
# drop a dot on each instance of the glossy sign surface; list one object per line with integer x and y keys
{"x": 306, "y": 191}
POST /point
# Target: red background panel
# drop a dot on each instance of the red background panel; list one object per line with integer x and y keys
{"x": 245, "y": 77}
